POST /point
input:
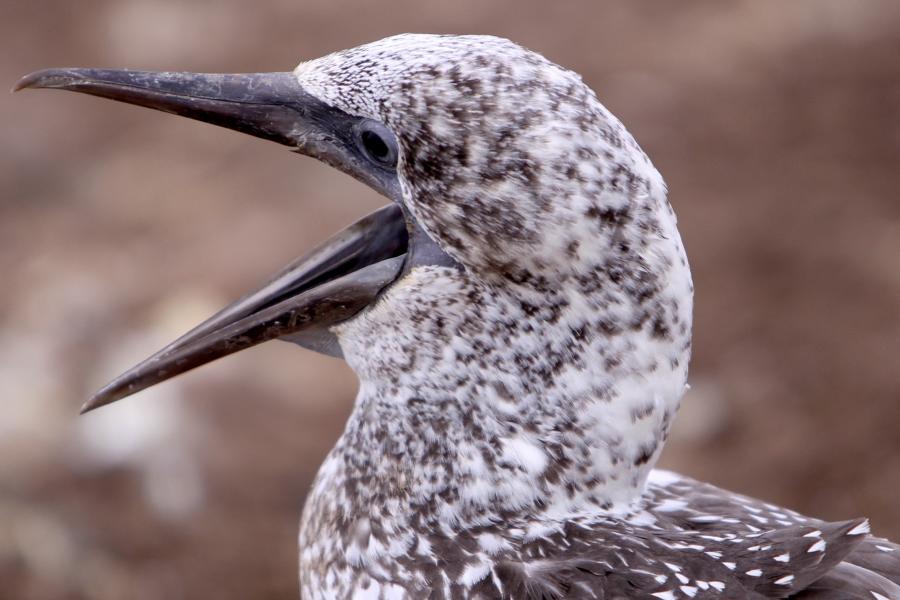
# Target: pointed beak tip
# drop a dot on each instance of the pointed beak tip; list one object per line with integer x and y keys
{"x": 93, "y": 403}
{"x": 87, "y": 407}
{"x": 26, "y": 82}
{"x": 45, "y": 78}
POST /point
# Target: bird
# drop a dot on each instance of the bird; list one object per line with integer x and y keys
{"x": 519, "y": 318}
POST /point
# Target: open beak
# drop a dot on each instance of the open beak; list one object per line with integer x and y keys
{"x": 300, "y": 304}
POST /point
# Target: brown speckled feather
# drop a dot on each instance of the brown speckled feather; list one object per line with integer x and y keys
{"x": 511, "y": 410}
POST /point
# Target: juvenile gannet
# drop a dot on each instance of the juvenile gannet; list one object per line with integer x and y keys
{"x": 519, "y": 317}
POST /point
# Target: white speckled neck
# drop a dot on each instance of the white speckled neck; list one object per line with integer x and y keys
{"x": 542, "y": 378}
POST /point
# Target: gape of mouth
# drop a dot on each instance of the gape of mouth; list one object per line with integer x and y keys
{"x": 300, "y": 304}
{"x": 377, "y": 237}
{"x": 329, "y": 285}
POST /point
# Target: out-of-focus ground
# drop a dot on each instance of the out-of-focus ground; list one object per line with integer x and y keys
{"x": 776, "y": 124}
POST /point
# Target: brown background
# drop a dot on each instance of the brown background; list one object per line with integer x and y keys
{"x": 776, "y": 124}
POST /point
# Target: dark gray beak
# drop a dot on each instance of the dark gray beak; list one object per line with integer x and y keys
{"x": 332, "y": 283}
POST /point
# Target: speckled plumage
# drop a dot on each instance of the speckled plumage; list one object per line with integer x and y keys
{"x": 510, "y": 411}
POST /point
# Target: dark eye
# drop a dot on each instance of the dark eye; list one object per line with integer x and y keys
{"x": 377, "y": 143}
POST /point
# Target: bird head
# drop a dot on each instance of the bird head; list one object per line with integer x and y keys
{"x": 500, "y": 154}
{"x": 503, "y": 170}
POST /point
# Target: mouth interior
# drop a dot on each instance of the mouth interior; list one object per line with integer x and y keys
{"x": 377, "y": 237}
{"x": 352, "y": 261}
{"x": 331, "y": 284}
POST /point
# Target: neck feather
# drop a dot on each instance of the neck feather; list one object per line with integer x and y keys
{"x": 480, "y": 400}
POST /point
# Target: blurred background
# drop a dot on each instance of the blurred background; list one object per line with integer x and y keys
{"x": 776, "y": 124}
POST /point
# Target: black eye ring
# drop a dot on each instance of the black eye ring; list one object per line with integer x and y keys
{"x": 377, "y": 143}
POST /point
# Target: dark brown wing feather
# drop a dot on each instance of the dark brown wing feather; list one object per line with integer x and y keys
{"x": 878, "y": 556}
{"x": 623, "y": 562}
{"x": 847, "y": 581}
{"x": 689, "y": 541}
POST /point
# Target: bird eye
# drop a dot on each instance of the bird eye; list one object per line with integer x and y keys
{"x": 377, "y": 143}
